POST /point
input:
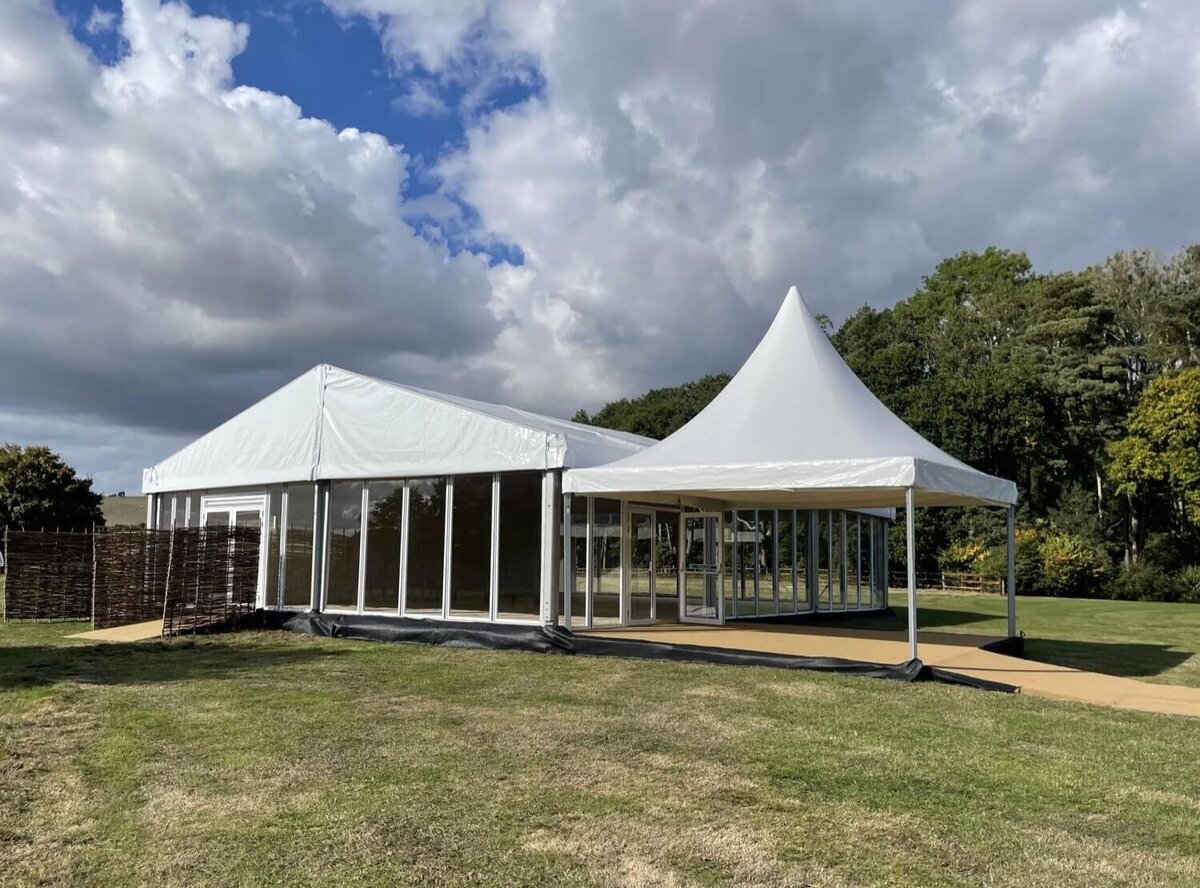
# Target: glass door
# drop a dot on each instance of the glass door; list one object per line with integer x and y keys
{"x": 641, "y": 566}
{"x": 701, "y": 574}
{"x": 240, "y": 511}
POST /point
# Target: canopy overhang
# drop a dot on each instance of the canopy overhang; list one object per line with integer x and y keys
{"x": 874, "y": 483}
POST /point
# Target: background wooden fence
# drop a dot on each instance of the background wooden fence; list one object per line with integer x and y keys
{"x": 949, "y": 582}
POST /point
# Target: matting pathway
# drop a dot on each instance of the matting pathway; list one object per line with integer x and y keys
{"x": 128, "y": 632}
{"x": 956, "y": 652}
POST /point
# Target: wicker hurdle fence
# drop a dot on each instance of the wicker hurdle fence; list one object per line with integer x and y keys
{"x": 48, "y": 575}
{"x": 195, "y": 580}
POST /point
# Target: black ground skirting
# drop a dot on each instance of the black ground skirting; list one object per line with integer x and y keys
{"x": 557, "y": 640}
{"x": 809, "y": 618}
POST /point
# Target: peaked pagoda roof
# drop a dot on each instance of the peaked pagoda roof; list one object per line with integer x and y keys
{"x": 795, "y": 427}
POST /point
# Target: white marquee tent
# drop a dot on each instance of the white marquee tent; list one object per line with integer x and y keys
{"x": 330, "y": 423}
{"x": 796, "y": 427}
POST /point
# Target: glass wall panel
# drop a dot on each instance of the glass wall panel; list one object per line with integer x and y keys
{"x": 274, "y": 527}
{"x": 824, "y": 559}
{"x": 787, "y": 559}
{"x": 193, "y": 509}
{"x": 520, "y": 568}
{"x": 666, "y": 576}
{"x": 471, "y": 546}
{"x": 838, "y": 581}
{"x": 803, "y": 601}
{"x": 606, "y": 562}
{"x": 345, "y": 539}
{"x": 767, "y": 592}
{"x": 729, "y": 563}
{"x": 426, "y": 545}
{"x": 579, "y": 549}
{"x": 746, "y": 556}
{"x": 298, "y": 557}
{"x": 879, "y": 567}
{"x": 381, "y": 578}
{"x": 852, "y": 561}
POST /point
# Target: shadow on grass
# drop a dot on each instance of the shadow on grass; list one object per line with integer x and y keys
{"x": 144, "y": 662}
{"x": 1126, "y": 659}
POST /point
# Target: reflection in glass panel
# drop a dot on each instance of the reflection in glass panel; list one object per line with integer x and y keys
{"x": 803, "y": 602}
{"x": 728, "y": 561}
{"x": 520, "y": 569}
{"x": 787, "y": 558}
{"x": 381, "y": 578}
{"x": 641, "y": 563}
{"x": 879, "y": 567}
{"x": 766, "y": 563}
{"x": 840, "y": 551}
{"x": 166, "y": 506}
{"x": 666, "y": 576}
{"x": 852, "y": 561}
{"x": 746, "y": 530}
{"x": 701, "y": 566}
{"x": 274, "y": 523}
{"x": 426, "y": 545}
{"x": 606, "y": 562}
{"x": 193, "y": 509}
{"x": 824, "y": 558}
{"x": 216, "y": 519}
{"x": 471, "y": 546}
{"x": 345, "y": 537}
{"x": 298, "y": 558}
{"x": 579, "y": 545}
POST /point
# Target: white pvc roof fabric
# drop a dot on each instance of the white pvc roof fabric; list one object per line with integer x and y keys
{"x": 331, "y": 423}
{"x": 795, "y": 427}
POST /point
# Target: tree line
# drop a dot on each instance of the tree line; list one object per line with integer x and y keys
{"x": 1083, "y": 387}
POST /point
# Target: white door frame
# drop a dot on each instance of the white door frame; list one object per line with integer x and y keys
{"x": 256, "y": 502}
{"x": 683, "y": 571}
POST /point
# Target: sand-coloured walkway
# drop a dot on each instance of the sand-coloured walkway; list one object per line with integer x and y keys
{"x": 953, "y": 651}
{"x": 128, "y": 632}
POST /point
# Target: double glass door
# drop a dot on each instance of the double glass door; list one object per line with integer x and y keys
{"x": 240, "y": 511}
{"x": 674, "y": 567}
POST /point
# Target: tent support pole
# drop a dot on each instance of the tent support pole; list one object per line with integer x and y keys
{"x": 910, "y": 531}
{"x": 1010, "y": 586}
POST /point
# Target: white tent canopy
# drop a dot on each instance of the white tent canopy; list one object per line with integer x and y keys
{"x": 330, "y": 423}
{"x": 795, "y": 427}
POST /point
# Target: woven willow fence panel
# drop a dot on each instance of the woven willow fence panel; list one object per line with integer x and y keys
{"x": 212, "y": 579}
{"x": 49, "y": 576}
{"x": 130, "y": 577}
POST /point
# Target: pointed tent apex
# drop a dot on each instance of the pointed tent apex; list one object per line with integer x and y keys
{"x": 794, "y": 291}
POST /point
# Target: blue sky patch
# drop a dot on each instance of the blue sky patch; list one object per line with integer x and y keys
{"x": 336, "y": 69}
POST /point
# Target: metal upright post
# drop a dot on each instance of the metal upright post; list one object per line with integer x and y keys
{"x": 911, "y": 532}
{"x": 1011, "y": 585}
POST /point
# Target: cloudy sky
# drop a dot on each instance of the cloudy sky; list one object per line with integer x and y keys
{"x": 544, "y": 203}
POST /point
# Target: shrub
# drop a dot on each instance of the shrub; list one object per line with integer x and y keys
{"x": 1145, "y": 582}
{"x": 1189, "y": 584}
{"x": 1071, "y": 566}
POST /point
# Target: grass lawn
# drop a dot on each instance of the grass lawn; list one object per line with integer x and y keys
{"x": 1148, "y": 640}
{"x": 268, "y": 758}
